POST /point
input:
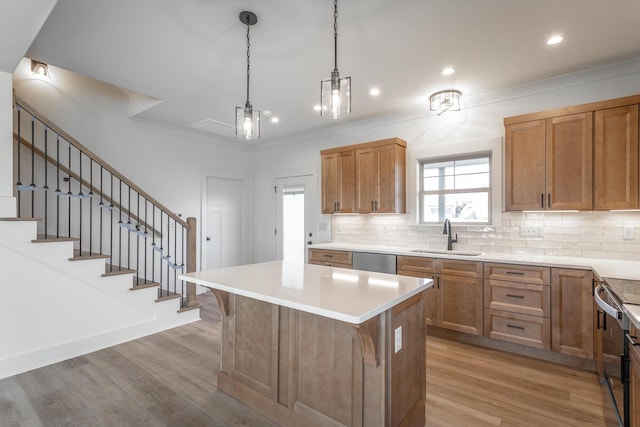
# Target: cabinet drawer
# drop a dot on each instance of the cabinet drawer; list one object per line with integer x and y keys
{"x": 524, "y": 298}
{"x": 517, "y": 273}
{"x": 416, "y": 266}
{"x": 456, "y": 267}
{"x": 330, "y": 257}
{"x": 532, "y": 331}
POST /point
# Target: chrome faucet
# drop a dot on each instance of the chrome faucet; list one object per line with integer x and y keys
{"x": 447, "y": 231}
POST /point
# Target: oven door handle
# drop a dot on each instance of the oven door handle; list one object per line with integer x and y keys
{"x": 611, "y": 311}
{"x": 632, "y": 340}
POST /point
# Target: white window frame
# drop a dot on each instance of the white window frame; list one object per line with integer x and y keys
{"x": 454, "y": 158}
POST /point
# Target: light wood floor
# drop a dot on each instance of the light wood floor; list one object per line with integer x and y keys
{"x": 169, "y": 379}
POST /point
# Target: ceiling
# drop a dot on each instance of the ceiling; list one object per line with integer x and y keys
{"x": 190, "y": 55}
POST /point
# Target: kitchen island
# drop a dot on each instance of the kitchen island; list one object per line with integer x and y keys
{"x": 314, "y": 345}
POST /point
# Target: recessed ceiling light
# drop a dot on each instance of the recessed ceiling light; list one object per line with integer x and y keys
{"x": 555, "y": 40}
{"x": 448, "y": 71}
{"x": 374, "y": 91}
{"x": 317, "y": 107}
{"x": 275, "y": 120}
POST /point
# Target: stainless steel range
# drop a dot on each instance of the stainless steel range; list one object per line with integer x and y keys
{"x": 610, "y": 296}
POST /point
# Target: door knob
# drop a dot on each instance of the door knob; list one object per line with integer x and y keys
{"x": 309, "y": 242}
{"x": 208, "y": 238}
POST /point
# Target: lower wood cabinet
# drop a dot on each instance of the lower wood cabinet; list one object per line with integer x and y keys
{"x": 331, "y": 258}
{"x": 532, "y": 331}
{"x": 455, "y": 301}
{"x": 634, "y": 377}
{"x": 572, "y": 312}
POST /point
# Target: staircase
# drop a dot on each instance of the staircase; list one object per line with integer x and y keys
{"x": 92, "y": 259}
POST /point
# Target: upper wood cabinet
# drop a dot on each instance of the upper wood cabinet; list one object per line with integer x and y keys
{"x": 548, "y": 163}
{"x": 338, "y": 182}
{"x": 364, "y": 178}
{"x": 581, "y": 157}
{"x": 615, "y": 162}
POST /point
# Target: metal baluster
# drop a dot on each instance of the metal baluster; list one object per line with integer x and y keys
{"x": 101, "y": 204}
{"x": 33, "y": 169}
{"x": 129, "y": 228}
{"x": 153, "y": 226}
{"x": 138, "y": 242}
{"x": 46, "y": 186}
{"x": 69, "y": 193}
{"x": 58, "y": 191}
{"x": 80, "y": 204}
{"x": 168, "y": 253}
{"x": 161, "y": 252}
{"x": 120, "y": 231}
{"x": 111, "y": 228}
{"x": 146, "y": 246}
{"x": 90, "y": 206}
{"x": 19, "y": 183}
{"x": 183, "y": 264}
{"x": 175, "y": 255}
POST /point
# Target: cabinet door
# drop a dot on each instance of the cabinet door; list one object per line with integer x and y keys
{"x": 568, "y": 153}
{"x": 524, "y": 165}
{"x": 572, "y": 312}
{"x": 460, "y": 304}
{"x": 365, "y": 180}
{"x": 615, "y": 163}
{"x": 634, "y": 386}
{"x": 390, "y": 179}
{"x": 330, "y": 183}
{"x": 347, "y": 182}
{"x": 422, "y": 267}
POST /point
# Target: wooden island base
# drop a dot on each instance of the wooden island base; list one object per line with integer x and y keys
{"x": 302, "y": 369}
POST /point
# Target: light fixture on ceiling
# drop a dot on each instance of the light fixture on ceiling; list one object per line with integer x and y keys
{"x": 447, "y": 71}
{"x": 40, "y": 68}
{"x": 248, "y": 119}
{"x": 445, "y": 100}
{"x": 335, "y": 93}
{"x": 555, "y": 39}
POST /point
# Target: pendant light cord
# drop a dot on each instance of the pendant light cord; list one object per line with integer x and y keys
{"x": 335, "y": 35}
{"x": 248, "y": 59}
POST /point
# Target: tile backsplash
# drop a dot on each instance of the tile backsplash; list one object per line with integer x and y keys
{"x": 598, "y": 234}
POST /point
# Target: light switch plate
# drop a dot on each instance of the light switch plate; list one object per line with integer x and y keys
{"x": 398, "y": 337}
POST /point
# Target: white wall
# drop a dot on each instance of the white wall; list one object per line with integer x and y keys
{"x": 7, "y": 201}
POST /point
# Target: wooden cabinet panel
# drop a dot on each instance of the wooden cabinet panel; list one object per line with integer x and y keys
{"x": 572, "y": 312}
{"x": 331, "y": 258}
{"x": 517, "y": 273}
{"x": 460, "y": 304}
{"x": 365, "y": 178}
{"x": 338, "y": 182}
{"x": 422, "y": 267}
{"x": 568, "y": 162}
{"x": 524, "y": 165}
{"x": 615, "y": 162}
{"x": 514, "y": 297}
{"x": 634, "y": 386}
{"x": 459, "y": 267}
{"x": 532, "y": 331}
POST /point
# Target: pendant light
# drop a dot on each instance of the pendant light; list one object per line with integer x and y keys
{"x": 335, "y": 93}
{"x": 248, "y": 119}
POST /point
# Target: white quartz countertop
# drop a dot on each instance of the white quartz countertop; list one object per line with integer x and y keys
{"x": 351, "y": 296}
{"x": 604, "y": 268}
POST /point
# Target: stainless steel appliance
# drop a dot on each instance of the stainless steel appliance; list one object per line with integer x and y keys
{"x": 609, "y": 296}
{"x": 381, "y": 263}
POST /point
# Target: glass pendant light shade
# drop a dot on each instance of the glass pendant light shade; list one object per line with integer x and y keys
{"x": 247, "y": 122}
{"x": 335, "y": 96}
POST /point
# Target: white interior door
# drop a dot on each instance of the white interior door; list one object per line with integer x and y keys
{"x": 223, "y": 232}
{"x": 295, "y": 216}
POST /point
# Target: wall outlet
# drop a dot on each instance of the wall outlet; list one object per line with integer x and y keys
{"x": 531, "y": 231}
{"x": 398, "y": 334}
{"x": 628, "y": 232}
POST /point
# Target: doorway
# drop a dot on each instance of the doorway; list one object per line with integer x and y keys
{"x": 295, "y": 219}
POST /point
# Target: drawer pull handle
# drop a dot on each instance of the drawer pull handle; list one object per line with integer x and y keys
{"x": 515, "y": 326}
{"x": 515, "y": 296}
{"x": 328, "y": 256}
{"x": 516, "y": 273}
{"x": 632, "y": 340}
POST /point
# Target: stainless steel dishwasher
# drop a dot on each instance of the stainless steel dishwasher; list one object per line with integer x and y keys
{"x": 381, "y": 263}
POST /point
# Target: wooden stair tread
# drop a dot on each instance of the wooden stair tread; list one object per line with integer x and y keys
{"x": 41, "y": 239}
{"x": 114, "y": 270}
{"x": 139, "y": 283}
{"x": 193, "y": 307}
{"x": 83, "y": 255}
{"x": 164, "y": 295}
{"x": 16, "y": 219}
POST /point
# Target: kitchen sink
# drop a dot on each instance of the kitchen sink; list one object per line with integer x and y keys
{"x": 443, "y": 252}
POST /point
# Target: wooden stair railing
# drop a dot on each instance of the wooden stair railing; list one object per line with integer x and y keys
{"x": 162, "y": 240}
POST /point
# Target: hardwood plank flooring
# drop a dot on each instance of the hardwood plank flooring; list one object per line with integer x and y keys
{"x": 169, "y": 379}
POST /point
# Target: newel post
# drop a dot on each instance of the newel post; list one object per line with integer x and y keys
{"x": 191, "y": 261}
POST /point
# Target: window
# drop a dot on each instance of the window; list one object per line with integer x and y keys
{"x": 458, "y": 188}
